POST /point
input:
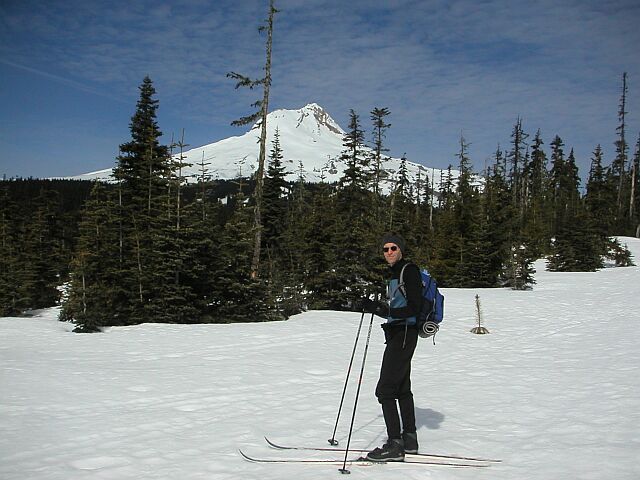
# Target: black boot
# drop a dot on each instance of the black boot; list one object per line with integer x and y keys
{"x": 392, "y": 451}
{"x": 410, "y": 442}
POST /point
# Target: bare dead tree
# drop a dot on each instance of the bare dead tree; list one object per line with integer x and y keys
{"x": 261, "y": 115}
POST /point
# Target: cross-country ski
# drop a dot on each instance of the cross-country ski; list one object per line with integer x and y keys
{"x": 362, "y": 450}
{"x": 360, "y": 461}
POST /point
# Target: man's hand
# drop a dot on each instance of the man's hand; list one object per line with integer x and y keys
{"x": 375, "y": 306}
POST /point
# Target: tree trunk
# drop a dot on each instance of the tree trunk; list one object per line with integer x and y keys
{"x": 255, "y": 264}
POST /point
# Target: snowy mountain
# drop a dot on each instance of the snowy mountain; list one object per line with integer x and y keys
{"x": 311, "y": 141}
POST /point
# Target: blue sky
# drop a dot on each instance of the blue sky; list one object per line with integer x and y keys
{"x": 70, "y": 71}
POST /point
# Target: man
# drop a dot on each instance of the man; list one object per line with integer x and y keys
{"x": 401, "y": 335}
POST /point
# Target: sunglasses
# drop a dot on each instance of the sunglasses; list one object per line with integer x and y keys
{"x": 393, "y": 248}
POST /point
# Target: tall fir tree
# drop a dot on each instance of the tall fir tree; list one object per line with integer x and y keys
{"x": 357, "y": 230}
{"x": 380, "y": 127}
{"x": 11, "y": 301}
{"x": 516, "y": 158}
{"x": 499, "y": 215}
{"x": 94, "y": 290}
{"x": 275, "y": 184}
{"x": 237, "y": 296}
{"x": 598, "y": 194}
{"x": 536, "y": 220}
{"x": 634, "y": 197}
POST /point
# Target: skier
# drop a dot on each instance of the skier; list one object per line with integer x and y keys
{"x": 401, "y": 335}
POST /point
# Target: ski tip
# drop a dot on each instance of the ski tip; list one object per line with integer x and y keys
{"x": 271, "y": 443}
{"x": 245, "y": 456}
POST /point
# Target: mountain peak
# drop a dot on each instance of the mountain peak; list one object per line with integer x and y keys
{"x": 312, "y": 119}
{"x": 322, "y": 118}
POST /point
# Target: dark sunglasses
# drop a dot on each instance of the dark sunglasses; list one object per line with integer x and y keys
{"x": 393, "y": 248}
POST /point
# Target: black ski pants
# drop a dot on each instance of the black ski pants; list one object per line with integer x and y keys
{"x": 394, "y": 384}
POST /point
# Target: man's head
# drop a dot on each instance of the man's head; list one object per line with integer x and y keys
{"x": 393, "y": 247}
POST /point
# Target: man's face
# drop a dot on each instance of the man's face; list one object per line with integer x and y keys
{"x": 392, "y": 253}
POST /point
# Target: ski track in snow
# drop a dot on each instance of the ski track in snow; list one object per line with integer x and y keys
{"x": 553, "y": 390}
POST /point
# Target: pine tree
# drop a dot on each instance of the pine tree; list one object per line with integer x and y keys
{"x": 499, "y": 215}
{"x": 471, "y": 266}
{"x": 131, "y": 288}
{"x": 93, "y": 291}
{"x": 237, "y": 296}
{"x": 577, "y": 245}
{"x": 519, "y": 269}
{"x": 400, "y": 211}
{"x": 11, "y": 302}
{"x": 143, "y": 162}
{"x": 356, "y": 228}
{"x": 275, "y": 207}
{"x": 634, "y": 197}
{"x": 41, "y": 253}
{"x": 536, "y": 220}
{"x": 321, "y": 255}
{"x": 598, "y": 195}
{"x": 564, "y": 185}
{"x": 380, "y": 127}
{"x": 517, "y": 159}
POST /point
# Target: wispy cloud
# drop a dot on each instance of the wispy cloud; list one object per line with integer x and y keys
{"x": 442, "y": 67}
{"x": 64, "y": 81}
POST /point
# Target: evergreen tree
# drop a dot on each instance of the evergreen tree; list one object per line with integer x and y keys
{"x": 321, "y": 254}
{"x": 598, "y": 195}
{"x": 356, "y": 228}
{"x": 564, "y": 184}
{"x": 400, "y": 212}
{"x": 634, "y": 197}
{"x": 519, "y": 269}
{"x": 143, "y": 162}
{"x": 93, "y": 290}
{"x": 237, "y": 296}
{"x": 41, "y": 253}
{"x": 499, "y": 215}
{"x": 275, "y": 207}
{"x": 517, "y": 159}
{"x": 11, "y": 302}
{"x": 471, "y": 265}
{"x": 536, "y": 221}
{"x": 380, "y": 127}
{"x": 577, "y": 245}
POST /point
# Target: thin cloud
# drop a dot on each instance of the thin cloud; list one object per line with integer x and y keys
{"x": 441, "y": 66}
{"x": 64, "y": 81}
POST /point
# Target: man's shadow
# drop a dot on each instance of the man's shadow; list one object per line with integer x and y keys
{"x": 426, "y": 417}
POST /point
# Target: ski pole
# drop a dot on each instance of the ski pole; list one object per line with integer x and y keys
{"x": 333, "y": 440}
{"x": 355, "y": 405}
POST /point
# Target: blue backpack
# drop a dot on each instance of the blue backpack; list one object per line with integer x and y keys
{"x": 432, "y": 309}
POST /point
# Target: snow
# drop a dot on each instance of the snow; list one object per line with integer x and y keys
{"x": 553, "y": 390}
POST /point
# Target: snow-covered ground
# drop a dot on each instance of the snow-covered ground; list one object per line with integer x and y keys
{"x": 553, "y": 390}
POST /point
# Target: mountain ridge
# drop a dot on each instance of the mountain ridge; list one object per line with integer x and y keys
{"x": 311, "y": 142}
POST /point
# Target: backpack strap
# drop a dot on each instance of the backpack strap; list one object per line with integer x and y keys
{"x": 401, "y": 286}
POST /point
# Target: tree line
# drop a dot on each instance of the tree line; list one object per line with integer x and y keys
{"x": 151, "y": 247}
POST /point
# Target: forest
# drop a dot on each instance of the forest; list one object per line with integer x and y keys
{"x": 151, "y": 246}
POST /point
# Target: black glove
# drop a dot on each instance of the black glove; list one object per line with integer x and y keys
{"x": 375, "y": 306}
